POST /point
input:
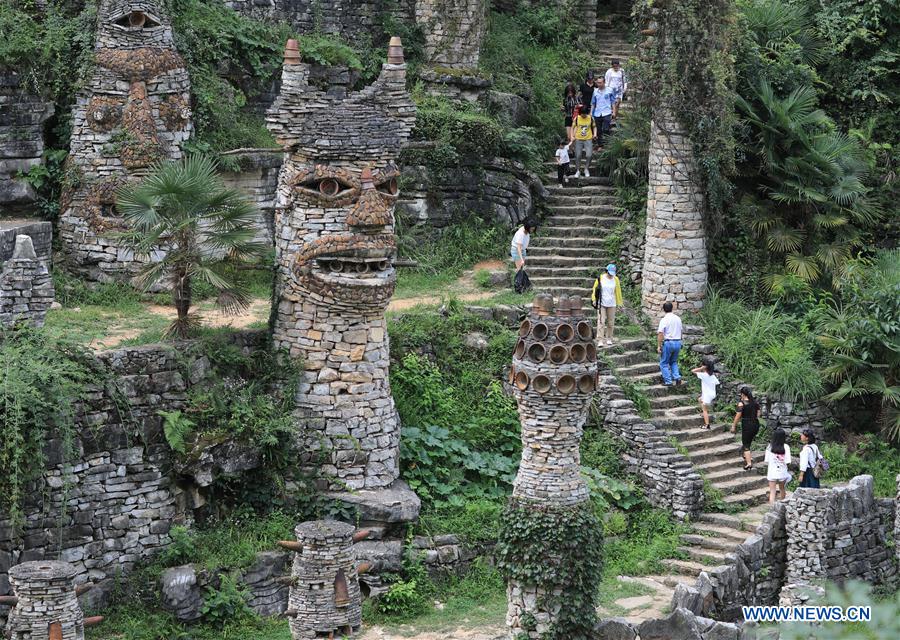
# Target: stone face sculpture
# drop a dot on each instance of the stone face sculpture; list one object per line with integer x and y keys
{"x": 134, "y": 112}
{"x": 554, "y": 375}
{"x": 335, "y": 246}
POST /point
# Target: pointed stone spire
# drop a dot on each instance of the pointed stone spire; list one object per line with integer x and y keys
{"x": 395, "y": 51}
{"x": 24, "y": 249}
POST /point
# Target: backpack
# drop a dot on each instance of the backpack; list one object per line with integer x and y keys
{"x": 822, "y": 465}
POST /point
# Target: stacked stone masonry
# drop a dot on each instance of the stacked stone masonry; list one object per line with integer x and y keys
{"x": 335, "y": 247}
{"x": 26, "y": 288}
{"x": 675, "y": 260}
{"x": 668, "y": 477}
{"x": 454, "y": 31}
{"x": 258, "y": 179}
{"x": 22, "y": 117}
{"x": 134, "y": 112}
{"x": 47, "y": 607}
{"x": 554, "y": 375}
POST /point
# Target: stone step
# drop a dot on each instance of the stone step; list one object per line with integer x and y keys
{"x": 706, "y": 439}
{"x": 622, "y": 347}
{"x": 688, "y": 435}
{"x": 557, "y": 262}
{"x": 637, "y": 369}
{"x": 571, "y": 286}
{"x": 708, "y": 557}
{"x": 722, "y": 452}
{"x": 691, "y": 422}
{"x": 550, "y": 241}
{"x": 674, "y": 400}
{"x": 712, "y": 542}
{"x": 720, "y": 520}
{"x": 575, "y": 197}
{"x": 660, "y": 389}
{"x": 672, "y": 580}
{"x": 750, "y": 483}
{"x": 562, "y": 212}
{"x": 566, "y": 273}
{"x": 582, "y": 191}
{"x": 683, "y": 410}
{"x": 734, "y": 471}
{"x": 627, "y": 358}
{"x": 600, "y": 217}
{"x": 582, "y": 229}
{"x": 748, "y": 499}
{"x": 595, "y": 180}
{"x": 723, "y": 533}
{"x": 578, "y": 253}
{"x": 684, "y": 567}
{"x": 714, "y": 466}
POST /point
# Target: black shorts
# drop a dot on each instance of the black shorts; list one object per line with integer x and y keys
{"x": 747, "y": 435}
{"x": 568, "y": 121}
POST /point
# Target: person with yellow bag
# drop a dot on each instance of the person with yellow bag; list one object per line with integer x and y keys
{"x": 606, "y": 295}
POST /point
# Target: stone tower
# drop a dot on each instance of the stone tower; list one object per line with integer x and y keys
{"x": 135, "y": 111}
{"x": 45, "y": 603}
{"x": 554, "y": 375}
{"x": 675, "y": 258}
{"x": 335, "y": 247}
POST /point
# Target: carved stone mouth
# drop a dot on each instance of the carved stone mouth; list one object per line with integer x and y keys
{"x": 354, "y": 261}
{"x": 354, "y": 265}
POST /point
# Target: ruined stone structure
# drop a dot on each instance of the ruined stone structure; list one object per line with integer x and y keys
{"x": 454, "y": 30}
{"x": 46, "y": 606}
{"x": 324, "y": 599}
{"x": 835, "y": 535}
{"x": 135, "y": 111}
{"x": 22, "y": 117}
{"x": 675, "y": 250}
{"x": 26, "y": 289}
{"x": 335, "y": 246}
{"x": 554, "y": 375}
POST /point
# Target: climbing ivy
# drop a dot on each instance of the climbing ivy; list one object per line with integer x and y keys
{"x": 558, "y": 550}
{"x": 694, "y": 78}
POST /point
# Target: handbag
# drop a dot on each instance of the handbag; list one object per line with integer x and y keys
{"x": 521, "y": 282}
{"x": 822, "y": 465}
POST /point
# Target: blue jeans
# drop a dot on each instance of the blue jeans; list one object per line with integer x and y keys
{"x": 668, "y": 360}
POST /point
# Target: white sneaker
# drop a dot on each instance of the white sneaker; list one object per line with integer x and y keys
{"x": 587, "y": 174}
{"x": 609, "y": 342}
{"x": 577, "y": 174}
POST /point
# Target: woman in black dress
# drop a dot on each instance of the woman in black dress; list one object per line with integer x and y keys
{"x": 570, "y": 101}
{"x": 748, "y": 411}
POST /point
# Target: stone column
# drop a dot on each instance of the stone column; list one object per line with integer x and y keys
{"x": 46, "y": 606}
{"x": 324, "y": 597}
{"x": 26, "y": 288}
{"x": 554, "y": 374}
{"x": 134, "y": 112}
{"x": 675, "y": 261}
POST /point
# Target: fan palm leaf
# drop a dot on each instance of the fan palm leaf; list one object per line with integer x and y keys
{"x": 804, "y": 267}
{"x": 783, "y": 239}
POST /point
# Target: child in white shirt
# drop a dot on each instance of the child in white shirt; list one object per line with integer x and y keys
{"x": 778, "y": 457}
{"x": 562, "y": 163}
{"x": 708, "y": 383}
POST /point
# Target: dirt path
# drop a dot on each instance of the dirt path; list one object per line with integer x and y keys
{"x": 482, "y": 633}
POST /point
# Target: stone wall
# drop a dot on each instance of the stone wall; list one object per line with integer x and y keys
{"x": 258, "y": 178}
{"x": 114, "y": 504}
{"x": 26, "y": 289}
{"x": 675, "y": 260}
{"x": 681, "y": 624}
{"x": 836, "y": 535}
{"x": 668, "y": 477}
{"x": 41, "y": 234}
{"x": 454, "y": 31}
{"x": 499, "y": 190}
{"x": 22, "y": 118}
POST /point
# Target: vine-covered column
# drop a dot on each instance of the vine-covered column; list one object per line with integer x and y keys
{"x": 550, "y": 543}
{"x": 689, "y": 72}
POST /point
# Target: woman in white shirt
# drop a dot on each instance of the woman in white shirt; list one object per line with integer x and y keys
{"x": 708, "y": 383}
{"x": 519, "y": 247}
{"x": 778, "y": 456}
{"x": 809, "y": 456}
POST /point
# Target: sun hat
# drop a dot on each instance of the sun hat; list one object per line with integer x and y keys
{"x": 611, "y": 269}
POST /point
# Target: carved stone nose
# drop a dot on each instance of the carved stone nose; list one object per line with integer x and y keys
{"x": 371, "y": 210}
{"x": 141, "y": 146}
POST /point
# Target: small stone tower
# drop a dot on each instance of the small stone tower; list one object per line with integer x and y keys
{"x": 324, "y": 600}
{"x": 26, "y": 288}
{"x": 46, "y": 605}
{"x": 134, "y": 111}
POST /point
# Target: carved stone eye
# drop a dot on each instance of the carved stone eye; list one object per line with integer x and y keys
{"x": 329, "y": 187}
{"x": 137, "y": 20}
{"x": 185, "y": 114}
{"x": 98, "y": 115}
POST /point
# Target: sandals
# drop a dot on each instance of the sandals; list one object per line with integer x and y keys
{"x": 746, "y": 468}
{"x": 707, "y": 426}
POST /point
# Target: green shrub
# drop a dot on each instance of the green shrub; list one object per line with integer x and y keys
{"x": 477, "y": 520}
{"x": 225, "y": 604}
{"x": 872, "y": 457}
{"x": 602, "y": 451}
{"x": 652, "y": 535}
{"x": 403, "y": 600}
{"x": 466, "y": 240}
{"x": 465, "y": 128}
{"x": 74, "y": 292}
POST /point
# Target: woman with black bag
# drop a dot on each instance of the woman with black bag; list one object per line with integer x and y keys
{"x": 519, "y": 250}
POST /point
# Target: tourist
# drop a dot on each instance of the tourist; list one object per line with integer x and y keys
{"x": 583, "y": 136}
{"x": 570, "y": 101}
{"x": 616, "y": 82}
{"x": 748, "y": 411}
{"x": 587, "y": 89}
{"x": 778, "y": 455}
{"x": 668, "y": 346}
{"x": 562, "y": 162}
{"x": 809, "y": 458}
{"x": 708, "y": 383}
{"x": 606, "y": 295}
{"x": 602, "y": 109}
{"x": 522, "y": 237}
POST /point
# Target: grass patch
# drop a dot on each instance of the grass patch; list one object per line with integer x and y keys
{"x": 638, "y": 395}
{"x": 89, "y": 323}
{"x": 651, "y": 536}
{"x": 135, "y": 622}
{"x": 475, "y": 521}
{"x": 612, "y": 589}
{"x": 871, "y": 456}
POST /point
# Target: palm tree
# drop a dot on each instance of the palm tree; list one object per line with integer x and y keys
{"x": 184, "y": 211}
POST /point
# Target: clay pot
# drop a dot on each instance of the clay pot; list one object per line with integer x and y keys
{"x": 522, "y": 380}
{"x": 577, "y": 353}
{"x": 543, "y": 304}
{"x": 292, "y": 52}
{"x": 524, "y": 328}
{"x": 541, "y": 384}
{"x": 520, "y": 349}
{"x": 558, "y": 354}
{"x": 592, "y": 353}
{"x": 537, "y": 352}
{"x": 585, "y": 330}
{"x": 539, "y": 331}
{"x": 565, "y": 332}
{"x": 566, "y": 384}
{"x": 395, "y": 51}
{"x": 587, "y": 384}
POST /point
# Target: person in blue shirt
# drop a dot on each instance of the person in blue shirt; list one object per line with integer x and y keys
{"x": 602, "y": 108}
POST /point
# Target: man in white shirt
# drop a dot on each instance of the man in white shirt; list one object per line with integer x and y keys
{"x": 617, "y": 82}
{"x": 668, "y": 346}
{"x": 602, "y": 108}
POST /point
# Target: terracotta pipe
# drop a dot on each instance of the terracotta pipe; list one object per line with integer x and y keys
{"x": 289, "y": 613}
{"x": 291, "y": 545}
{"x": 54, "y": 631}
{"x": 93, "y": 621}
{"x": 361, "y": 535}
{"x": 9, "y": 601}
{"x": 364, "y": 567}
{"x": 81, "y": 589}
{"x": 395, "y": 51}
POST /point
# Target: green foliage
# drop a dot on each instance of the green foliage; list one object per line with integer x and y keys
{"x": 458, "y": 131}
{"x": 204, "y": 227}
{"x": 42, "y": 380}
{"x": 861, "y": 337}
{"x": 872, "y": 456}
{"x": 403, "y": 600}
{"x": 328, "y": 50}
{"x": 602, "y": 451}
{"x": 231, "y": 59}
{"x": 625, "y": 154}
{"x": 226, "y": 603}
{"x": 651, "y": 536}
{"x": 638, "y": 395}
{"x": 477, "y": 520}
{"x": 73, "y": 292}
{"x": 569, "y": 575}
{"x": 885, "y": 621}
{"x": 177, "y": 428}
